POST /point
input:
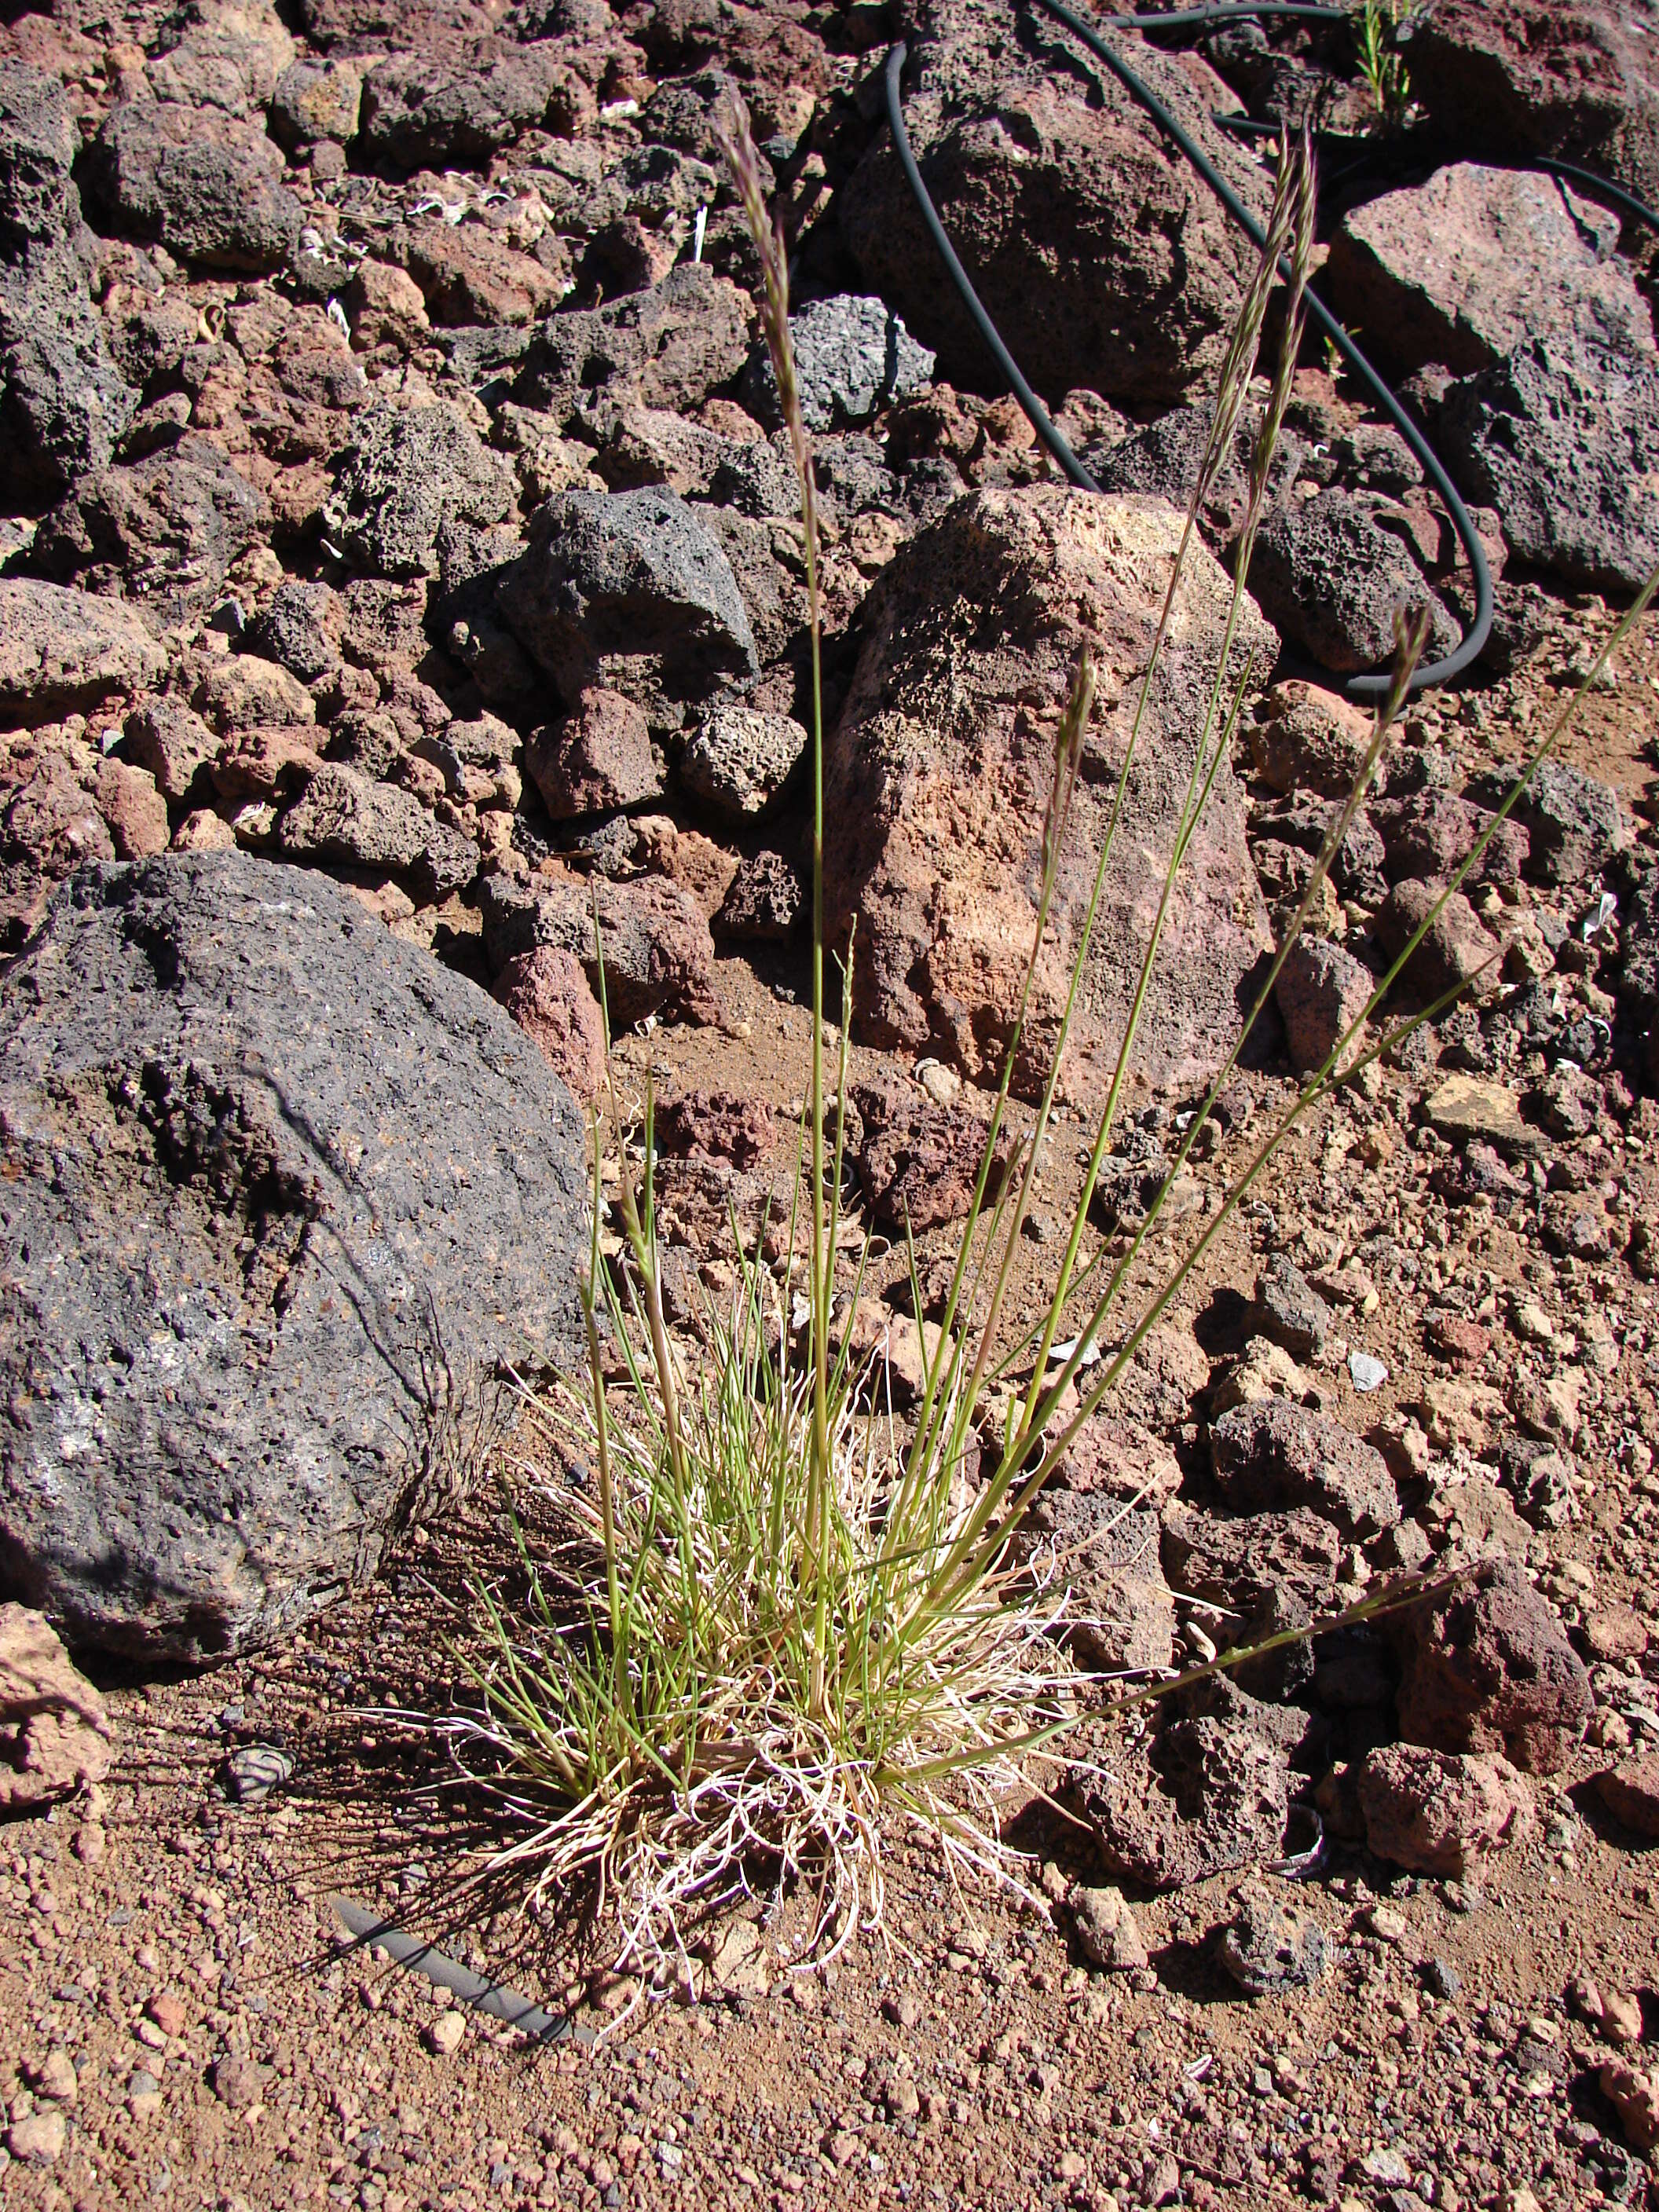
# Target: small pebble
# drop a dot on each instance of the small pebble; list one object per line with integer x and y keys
{"x": 56, "y": 2078}
{"x": 1386, "y": 1922}
{"x": 943, "y": 1085}
{"x": 38, "y": 2138}
{"x": 1442, "y": 1979}
{"x": 903, "y": 2010}
{"x": 1383, "y": 2164}
{"x": 1621, "y": 2017}
{"x": 143, "y": 2095}
{"x": 1532, "y": 1322}
{"x": 1366, "y": 1371}
{"x": 1272, "y": 1945}
{"x": 444, "y": 2036}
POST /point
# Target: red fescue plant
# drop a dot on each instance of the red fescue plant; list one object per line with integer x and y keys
{"x": 770, "y": 1627}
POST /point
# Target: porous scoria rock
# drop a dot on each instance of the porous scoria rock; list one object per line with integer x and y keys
{"x": 354, "y": 821}
{"x": 316, "y": 100}
{"x": 163, "y": 531}
{"x": 852, "y": 356}
{"x": 37, "y": 146}
{"x": 1630, "y": 1793}
{"x": 1306, "y": 738}
{"x": 1576, "y": 78}
{"x": 891, "y": 1354}
{"x": 1463, "y": 268}
{"x": 1119, "y": 1459}
{"x": 243, "y": 692}
{"x": 245, "y": 1325}
{"x": 765, "y": 902}
{"x": 630, "y": 591}
{"x": 595, "y": 759}
{"x": 1485, "y": 1667}
{"x": 1575, "y": 823}
{"x": 1431, "y": 833}
{"x": 1456, "y": 950}
{"x": 918, "y": 1162}
{"x": 205, "y": 185}
{"x": 467, "y": 274}
{"x": 1271, "y": 1455}
{"x": 1122, "y": 1613}
{"x": 547, "y": 993}
{"x": 1273, "y": 1944}
{"x": 386, "y": 308}
{"x": 62, "y": 648}
{"x": 1288, "y": 1311}
{"x": 668, "y": 346}
{"x": 715, "y": 1125}
{"x": 442, "y": 110}
{"x": 408, "y": 472}
{"x": 64, "y": 403}
{"x": 1635, "y": 2097}
{"x": 686, "y": 857}
{"x": 1262, "y": 1370}
{"x": 939, "y": 773}
{"x": 651, "y": 444}
{"x": 1239, "y": 1562}
{"x": 55, "y": 1732}
{"x": 1440, "y": 1813}
{"x": 1104, "y": 261}
{"x": 1320, "y": 992}
{"x": 1208, "y": 1800}
{"x": 1333, "y": 572}
{"x": 134, "y": 809}
{"x": 300, "y": 627}
{"x": 740, "y": 759}
{"x": 478, "y": 760}
{"x": 659, "y": 957}
{"x": 225, "y": 54}
{"x": 1561, "y": 436}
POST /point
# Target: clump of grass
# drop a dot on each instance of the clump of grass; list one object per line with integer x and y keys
{"x": 1376, "y": 33}
{"x": 773, "y": 1623}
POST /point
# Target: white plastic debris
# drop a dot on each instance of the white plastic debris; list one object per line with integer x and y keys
{"x": 1062, "y": 1351}
{"x": 699, "y": 231}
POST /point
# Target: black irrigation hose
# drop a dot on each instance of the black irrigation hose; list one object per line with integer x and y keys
{"x": 1361, "y": 687}
{"x": 1598, "y": 188}
{"x": 1192, "y": 19}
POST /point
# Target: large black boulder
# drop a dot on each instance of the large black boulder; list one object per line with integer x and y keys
{"x": 276, "y": 1191}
